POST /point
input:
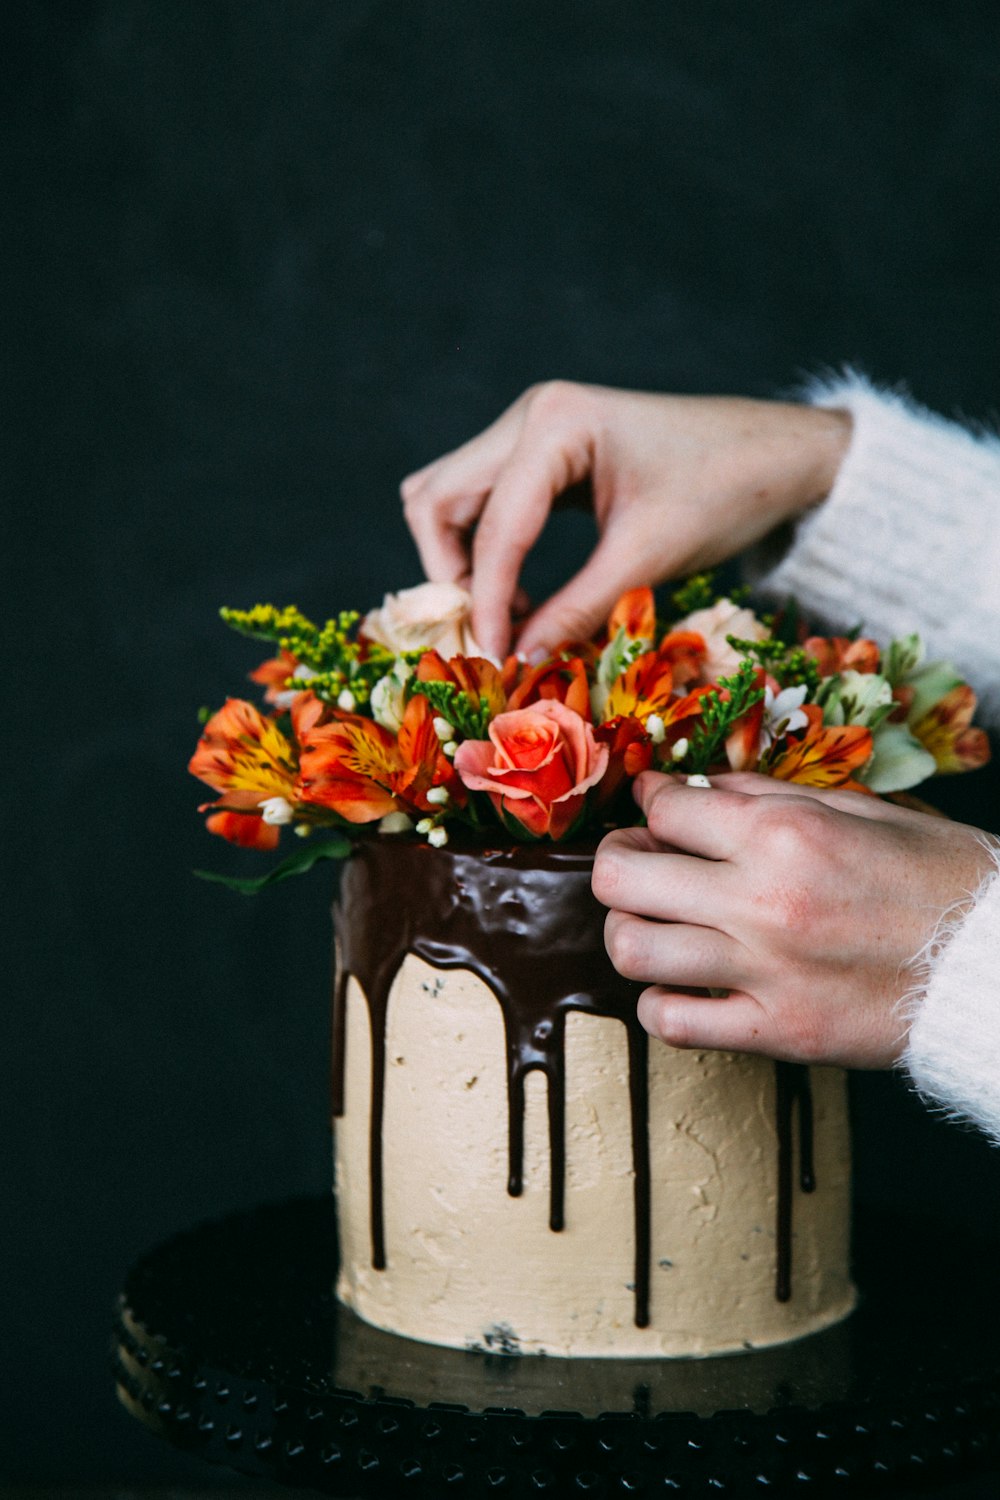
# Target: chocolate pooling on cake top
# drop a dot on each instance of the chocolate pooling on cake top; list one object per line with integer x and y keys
{"x": 524, "y": 919}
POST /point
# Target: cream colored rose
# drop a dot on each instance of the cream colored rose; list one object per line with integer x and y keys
{"x": 430, "y": 615}
{"x": 724, "y": 618}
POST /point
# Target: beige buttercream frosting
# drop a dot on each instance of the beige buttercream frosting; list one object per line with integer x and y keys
{"x": 468, "y": 1265}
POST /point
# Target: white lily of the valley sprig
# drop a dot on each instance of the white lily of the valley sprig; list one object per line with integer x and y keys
{"x": 782, "y": 714}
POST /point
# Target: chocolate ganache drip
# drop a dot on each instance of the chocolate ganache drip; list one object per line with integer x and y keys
{"x": 523, "y": 919}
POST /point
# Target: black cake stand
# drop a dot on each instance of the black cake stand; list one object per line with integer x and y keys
{"x": 229, "y": 1342}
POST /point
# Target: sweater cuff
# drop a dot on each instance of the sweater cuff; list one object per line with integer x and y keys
{"x": 953, "y": 1050}
{"x": 909, "y": 524}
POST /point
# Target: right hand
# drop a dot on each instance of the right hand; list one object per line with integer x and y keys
{"x": 678, "y": 483}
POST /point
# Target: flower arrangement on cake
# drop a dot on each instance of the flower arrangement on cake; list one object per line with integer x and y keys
{"x": 395, "y": 721}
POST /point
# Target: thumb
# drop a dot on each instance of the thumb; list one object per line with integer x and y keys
{"x": 582, "y": 605}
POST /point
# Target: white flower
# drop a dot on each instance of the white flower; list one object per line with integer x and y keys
{"x": 656, "y": 729}
{"x": 276, "y": 810}
{"x": 437, "y": 796}
{"x": 388, "y": 700}
{"x": 449, "y": 748}
{"x": 724, "y": 618}
{"x": 443, "y": 729}
{"x": 395, "y": 822}
{"x": 680, "y": 749}
{"x": 782, "y": 714}
{"x": 698, "y": 780}
{"x": 856, "y": 698}
{"x": 430, "y": 615}
{"x": 438, "y": 837}
{"x": 425, "y": 825}
{"x": 347, "y": 701}
{"x": 287, "y": 696}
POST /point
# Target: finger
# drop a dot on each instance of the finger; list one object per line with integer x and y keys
{"x": 707, "y": 821}
{"x": 582, "y": 605}
{"x": 631, "y": 875}
{"x": 510, "y": 524}
{"x": 859, "y": 804}
{"x": 673, "y": 953}
{"x": 441, "y": 532}
{"x": 735, "y": 1023}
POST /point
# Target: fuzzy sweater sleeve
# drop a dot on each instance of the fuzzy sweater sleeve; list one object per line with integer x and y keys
{"x": 909, "y": 539}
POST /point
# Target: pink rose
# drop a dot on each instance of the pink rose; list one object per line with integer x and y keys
{"x": 537, "y": 766}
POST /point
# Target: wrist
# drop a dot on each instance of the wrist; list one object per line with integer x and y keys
{"x": 829, "y": 438}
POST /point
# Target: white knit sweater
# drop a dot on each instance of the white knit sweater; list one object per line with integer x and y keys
{"x": 909, "y": 539}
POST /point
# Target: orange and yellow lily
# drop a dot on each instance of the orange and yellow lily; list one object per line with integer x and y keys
{"x": 825, "y": 755}
{"x": 244, "y": 756}
{"x": 361, "y": 772}
{"x": 947, "y": 731}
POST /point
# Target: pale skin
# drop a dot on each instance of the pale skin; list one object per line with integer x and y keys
{"x": 803, "y": 907}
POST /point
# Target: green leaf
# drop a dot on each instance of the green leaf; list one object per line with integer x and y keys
{"x": 903, "y": 658}
{"x": 296, "y": 864}
{"x": 899, "y": 761}
{"x": 930, "y": 683}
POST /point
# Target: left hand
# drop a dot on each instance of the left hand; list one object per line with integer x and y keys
{"x": 806, "y": 907}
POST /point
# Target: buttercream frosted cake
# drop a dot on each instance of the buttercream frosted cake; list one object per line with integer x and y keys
{"x": 519, "y": 1168}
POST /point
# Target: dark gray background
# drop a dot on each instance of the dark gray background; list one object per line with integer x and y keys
{"x": 263, "y": 259}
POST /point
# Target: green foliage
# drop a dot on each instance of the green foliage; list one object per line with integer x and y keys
{"x": 719, "y": 714}
{"x": 789, "y": 665}
{"x": 785, "y": 624}
{"x": 696, "y": 592}
{"x": 469, "y": 716}
{"x": 297, "y": 863}
{"x": 329, "y": 650}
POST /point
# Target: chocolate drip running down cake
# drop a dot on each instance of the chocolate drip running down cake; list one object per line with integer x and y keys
{"x": 519, "y": 1168}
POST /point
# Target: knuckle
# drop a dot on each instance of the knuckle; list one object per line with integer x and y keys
{"x": 555, "y": 400}
{"x": 623, "y": 940}
{"x": 658, "y": 807}
{"x": 671, "y": 1026}
{"x": 789, "y": 830}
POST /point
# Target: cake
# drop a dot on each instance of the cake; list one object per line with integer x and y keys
{"x": 519, "y": 1168}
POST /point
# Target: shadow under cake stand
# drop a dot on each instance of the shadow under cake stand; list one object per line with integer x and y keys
{"x": 229, "y": 1342}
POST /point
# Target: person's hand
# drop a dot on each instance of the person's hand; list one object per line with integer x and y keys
{"x": 677, "y": 484}
{"x": 804, "y": 907}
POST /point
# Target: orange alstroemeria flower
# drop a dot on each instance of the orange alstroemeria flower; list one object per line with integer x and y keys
{"x": 685, "y": 650}
{"x": 361, "y": 771}
{"x": 564, "y": 681}
{"x": 274, "y": 674}
{"x": 646, "y": 687}
{"x": 635, "y": 613}
{"x": 245, "y": 756}
{"x": 473, "y": 675}
{"x": 823, "y": 756}
{"x": 246, "y": 829}
{"x": 630, "y": 750}
{"x": 948, "y": 733}
{"x": 836, "y": 653}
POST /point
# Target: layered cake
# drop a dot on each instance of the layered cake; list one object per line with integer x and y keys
{"x": 520, "y": 1169}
